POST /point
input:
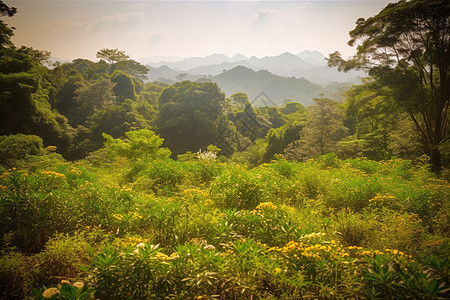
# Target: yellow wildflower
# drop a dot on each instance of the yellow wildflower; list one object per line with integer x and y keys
{"x": 265, "y": 205}
{"x": 53, "y": 174}
{"x": 75, "y": 170}
{"x": 118, "y": 217}
{"x": 51, "y": 148}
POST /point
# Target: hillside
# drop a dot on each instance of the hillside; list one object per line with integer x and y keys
{"x": 277, "y": 88}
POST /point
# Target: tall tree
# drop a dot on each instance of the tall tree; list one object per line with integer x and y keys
{"x": 92, "y": 97}
{"x": 407, "y": 48}
{"x": 112, "y": 55}
{"x": 188, "y": 114}
{"x": 370, "y": 114}
{"x": 5, "y": 32}
{"x": 323, "y": 130}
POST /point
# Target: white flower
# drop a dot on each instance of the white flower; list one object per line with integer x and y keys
{"x": 207, "y": 155}
{"x": 48, "y": 293}
{"x": 78, "y": 284}
{"x": 210, "y": 247}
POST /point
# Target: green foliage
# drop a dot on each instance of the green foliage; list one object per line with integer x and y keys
{"x": 353, "y": 193}
{"x": 24, "y": 100}
{"x": 191, "y": 115}
{"x": 222, "y": 227}
{"x": 15, "y": 147}
{"x": 324, "y": 128}
{"x": 237, "y": 188}
{"x": 142, "y": 144}
{"x": 134, "y": 69}
{"x": 413, "y": 37}
{"x": 336, "y": 225}
{"x": 162, "y": 177}
{"x": 12, "y": 285}
{"x": 124, "y": 87}
{"x": 112, "y": 55}
{"x": 93, "y": 97}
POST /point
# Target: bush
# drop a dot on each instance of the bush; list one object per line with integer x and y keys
{"x": 15, "y": 147}
{"x": 12, "y": 266}
{"x": 353, "y": 193}
{"x": 62, "y": 257}
{"x": 132, "y": 273}
{"x": 161, "y": 176}
{"x": 34, "y": 207}
{"x": 237, "y": 188}
{"x": 365, "y": 165}
{"x": 312, "y": 183}
{"x": 353, "y": 229}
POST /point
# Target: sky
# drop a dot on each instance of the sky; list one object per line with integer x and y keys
{"x": 162, "y": 29}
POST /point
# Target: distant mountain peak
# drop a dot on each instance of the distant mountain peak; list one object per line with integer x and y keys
{"x": 217, "y": 55}
{"x": 287, "y": 54}
{"x": 238, "y": 57}
{"x": 312, "y": 56}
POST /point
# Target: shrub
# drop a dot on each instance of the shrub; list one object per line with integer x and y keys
{"x": 15, "y": 147}
{"x": 162, "y": 176}
{"x": 353, "y": 193}
{"x": 353, "y": 229}
{"x": 62, "y": 257}
{"x": 237, "y": 188}
{"x": 365, "y": 165}
{"x": 131, "y": 273}
{"x": 34, "y": 207}
{"x": 329, "y": 160}
{"x": 141, "y": 144}
{"x": 312, "y": 183}
{"x": 12, "y": 266}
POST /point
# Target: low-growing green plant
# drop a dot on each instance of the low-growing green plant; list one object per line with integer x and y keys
{"x": 353, "y": 193}
{"x": 162, "y": 177}
{"x": 226, "y": 232}
{"x": 365, "y": 165}
{"x": 64, "y": 291}
{"x": 353, "y": 229}
{"x": 237, "y": 188}
{"x": 12, "y": 281}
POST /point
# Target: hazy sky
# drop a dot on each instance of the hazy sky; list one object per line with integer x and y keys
{"x": 78, "y": 29}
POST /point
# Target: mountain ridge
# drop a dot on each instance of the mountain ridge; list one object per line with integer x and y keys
{"x": 307, "y": 64}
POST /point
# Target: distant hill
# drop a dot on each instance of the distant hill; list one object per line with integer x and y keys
{"x": 281, "y": 63}
{"x": 276, "y": 88}
{"x": 299, "y": 77}
{"x": 263, "y": 83}
{"x": 193, "y": 62}
{"x": 219, "y": 68}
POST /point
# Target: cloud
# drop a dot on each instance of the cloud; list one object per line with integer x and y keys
{"x": 264, "y": 15}
{"x": 116, "y": 19}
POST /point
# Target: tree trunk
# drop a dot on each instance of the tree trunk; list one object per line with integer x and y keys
{"x": 435, "y": 159}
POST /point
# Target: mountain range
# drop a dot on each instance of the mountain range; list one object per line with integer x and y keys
{"x": 310, "y": 65}
{"x": 299, "y": 77}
